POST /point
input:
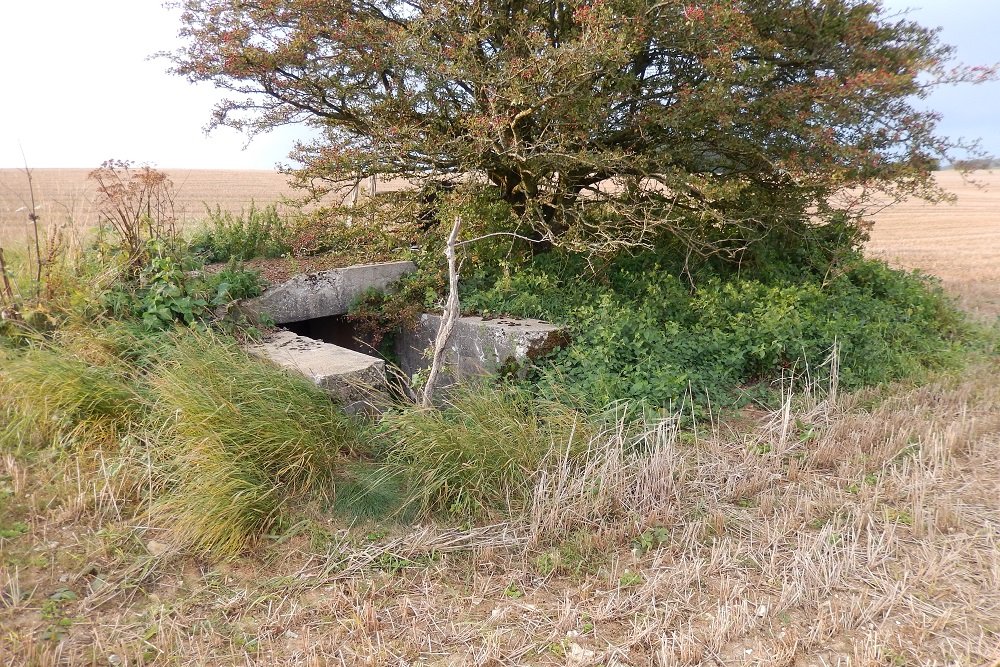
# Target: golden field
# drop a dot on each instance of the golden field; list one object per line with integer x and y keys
{"x": 65, "y": 196}
{"x": 959, "y": 243}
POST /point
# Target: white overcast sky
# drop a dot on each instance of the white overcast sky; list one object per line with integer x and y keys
{"x": 79, "y": 89}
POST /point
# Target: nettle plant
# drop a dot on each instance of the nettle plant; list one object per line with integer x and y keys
{"x": 168, "y": 289}
{"x": 602, "y": 123}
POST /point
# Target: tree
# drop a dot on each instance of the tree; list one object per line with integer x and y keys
{"x": 602, "y": 123}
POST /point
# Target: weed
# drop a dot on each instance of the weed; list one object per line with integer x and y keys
{"x": 651, "y": 538}
{"x": 639, "y": 332}
{"x": 13, "y": 530}
{"x": 256, "y": 232}
{"x": 629, "y": 579}
{"x": 58, "y": 392}
{"x": 138, "y": 203}
{"x": 167, "y": 291}
{"x": 512, "y": 591}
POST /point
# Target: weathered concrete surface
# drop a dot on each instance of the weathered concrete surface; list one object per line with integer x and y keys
{"x": 478, "y": 346}
{"x": 344, "y": 374}
{"x": 311, "y": 295}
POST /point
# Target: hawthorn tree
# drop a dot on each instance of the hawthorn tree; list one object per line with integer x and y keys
{"x": 602, "y": 123}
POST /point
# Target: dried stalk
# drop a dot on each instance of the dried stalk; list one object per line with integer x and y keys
{"x": 449, "y": 316}
{"x": 33, "y": 217}
{"x": 8, "y": 292}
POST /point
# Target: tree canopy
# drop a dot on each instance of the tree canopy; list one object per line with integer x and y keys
{"x": 602, "y": 123}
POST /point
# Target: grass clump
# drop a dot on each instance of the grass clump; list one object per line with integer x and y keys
{"x": 245, "y": 438}
{"x": 478, "y": 455}
{"x": 53, "y": 391}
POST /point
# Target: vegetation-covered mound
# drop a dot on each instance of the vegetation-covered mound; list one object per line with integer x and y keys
{"x": 641, "y": 330}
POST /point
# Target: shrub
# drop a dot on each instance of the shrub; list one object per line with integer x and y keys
{"x": 168, "y": 290}
{"x": 256, "y": 232}
{"x": 641, "y": 332}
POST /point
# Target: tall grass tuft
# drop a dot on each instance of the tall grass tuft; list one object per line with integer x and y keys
{"x": 478, "y": 455}
{"x": 245, "y": 437}
{"x": 54, "y": 391}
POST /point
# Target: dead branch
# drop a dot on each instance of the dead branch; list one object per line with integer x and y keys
{"x": 449, "y": 316}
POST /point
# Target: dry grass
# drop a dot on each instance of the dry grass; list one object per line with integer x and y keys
{"x": 857, "y": 532}
{"x": 959, "y": 243}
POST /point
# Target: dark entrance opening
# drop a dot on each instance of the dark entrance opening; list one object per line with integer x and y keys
{"x": 334, "y": 329}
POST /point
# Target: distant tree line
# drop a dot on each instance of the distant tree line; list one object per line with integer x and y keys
{"x": 977, "y": 163}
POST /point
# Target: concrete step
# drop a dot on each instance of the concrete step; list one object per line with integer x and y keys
{"x": 344, "y": 374}
{"x": 309, "y": 296}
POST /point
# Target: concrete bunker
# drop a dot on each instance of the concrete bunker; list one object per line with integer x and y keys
{"x": 319, "y": 341}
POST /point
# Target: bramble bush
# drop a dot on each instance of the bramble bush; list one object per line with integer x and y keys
{"x": 641, "y": 331}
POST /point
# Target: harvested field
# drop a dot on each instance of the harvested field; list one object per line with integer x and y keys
{"x": 959, "y": 243}
{"x": 65, "y": 196}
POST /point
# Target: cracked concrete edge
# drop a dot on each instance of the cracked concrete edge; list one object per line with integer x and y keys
{"x": 344, "y": 374}
{"x": 479, "y": 346}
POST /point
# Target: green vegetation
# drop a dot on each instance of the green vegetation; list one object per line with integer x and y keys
{"x": 661, "y": 186}
{"x": 131, "y": 368}
{"x": 171, "y": 288}
{"x": 242, "y": 438}
{"x": 642, "y": 331}
{"x": 479, "y": 454}
{"x": 256, "y": 232}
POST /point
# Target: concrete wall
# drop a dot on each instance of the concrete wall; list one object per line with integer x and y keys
{"x": 478, "y": 346}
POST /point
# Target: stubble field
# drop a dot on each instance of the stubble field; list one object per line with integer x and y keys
{"x": 959, "y": 243}
{"x": 65, "y": 197}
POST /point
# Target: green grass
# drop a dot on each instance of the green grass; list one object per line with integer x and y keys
{"x": 53, "y": 391}
{"x": 216, "y": 441}
{"x": 244, "y": 436}
{"x": 477, "y": 456}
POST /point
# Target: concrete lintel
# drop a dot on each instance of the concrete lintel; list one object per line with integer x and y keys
{"x": 342, "y": 373}
{"x": 308, "y": 296}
